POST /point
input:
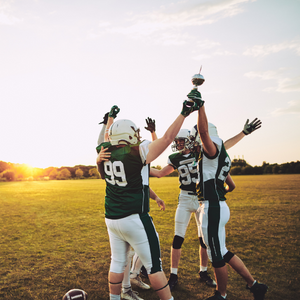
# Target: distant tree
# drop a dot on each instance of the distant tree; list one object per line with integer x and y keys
{"x": 247, "y": 170}
{"x": 79, "y": 173}
{"x": 63, "y": 174}
{"x": 157, "y": 167}
{"x": 94, "y": 173}
{"x": 275, "y": 169}
{"x": 257, "y": 170}
{"x": 236, "y": 171}
{"x": 9, "y": 175}
{"x": 53, "y": 174}
{"x": 4, "y": 166}
{"x": 268, "y": 169}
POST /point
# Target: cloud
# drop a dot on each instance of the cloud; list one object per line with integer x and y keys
{"x": 167, "y": 23}
{"x": 6, "y": 18}
{"x": 293, "y": 108}
{"x": 284, "y": 84}
{"x": 264, "y": 50}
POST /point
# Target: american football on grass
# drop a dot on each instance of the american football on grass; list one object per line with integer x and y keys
{"x": 75, "y": 294}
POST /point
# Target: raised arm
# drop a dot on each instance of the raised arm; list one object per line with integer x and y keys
{"x": 111, "y": 116}
{"x": 158, "y": 146}
{"x": 248, "y": 128}
{"x": 151, "y": 127}
{"x": 102, "y": 132}
{"x": 208, "y": 146}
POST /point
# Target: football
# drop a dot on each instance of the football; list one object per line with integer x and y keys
{"x": 75, "y": 294}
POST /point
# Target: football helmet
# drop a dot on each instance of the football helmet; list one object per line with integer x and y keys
{"x": 212, "y": 130}
{"x": 124, "y": 132}
{"x": 183, "y": 134}
{"x": 194, "y": 138}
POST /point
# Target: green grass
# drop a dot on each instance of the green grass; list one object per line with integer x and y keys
{"x": 53, "y": 238}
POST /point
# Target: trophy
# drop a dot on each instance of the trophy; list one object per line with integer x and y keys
{"x": 197, "y": 79}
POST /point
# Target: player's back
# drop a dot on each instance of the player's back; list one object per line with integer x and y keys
{"x": 127, "y": 182}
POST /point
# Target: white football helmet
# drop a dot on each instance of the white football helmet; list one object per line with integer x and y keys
{"x": 195, "y": 137}
{"x": 212, "y": 130}
{"x": 124, "y": 132}
{"x": 183, "y": 134}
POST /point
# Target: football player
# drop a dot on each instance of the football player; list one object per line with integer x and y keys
{"x": 187, "y": 143}
{"x": 185, "y": 161}
{"x": 124, "y": 164}
{"x": 131, "y": 277}
{"x": 214, "y": 166}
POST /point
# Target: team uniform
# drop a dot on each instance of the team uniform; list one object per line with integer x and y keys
{"x": 127, "y": 206}
{"x": 211, "y": 191}
{"x": 188, "y": 203}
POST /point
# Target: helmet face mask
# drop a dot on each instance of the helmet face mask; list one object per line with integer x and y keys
{"x": 181, "y": 141}
{"x": 124, "y": 132}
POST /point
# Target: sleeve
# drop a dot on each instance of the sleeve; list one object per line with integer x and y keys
{"x": 171, "y": 164}
{"x": 144, "y": 150}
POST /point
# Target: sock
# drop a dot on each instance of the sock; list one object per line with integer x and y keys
{"x": 254, "y": 282}
{"x": 125, "y": 289}
{"x": 114, "y": 297}
{"x": 174, "y": 271}
{"x": 171, "y": 298}
{"x": 224, "y": 296}
{"x": 203, "y": 269}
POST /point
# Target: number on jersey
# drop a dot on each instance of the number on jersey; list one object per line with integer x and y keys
{"x": 116, "y": 172}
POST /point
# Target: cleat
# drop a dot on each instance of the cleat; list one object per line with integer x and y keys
{"x": 144, "y": 272}
{"x": 258, "y": 290}
{"x": 173, "y": 280}
{"x": 138, "y": 282}
{"x": 216, "y": 296}
{"x": 204, "y": 277}
{"x": 131, "y": 295}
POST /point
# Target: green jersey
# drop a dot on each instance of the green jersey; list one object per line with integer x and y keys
{"x": 213, "y": 173}
{"x": 127, "y": 180}
{"x": 186, "y": 164}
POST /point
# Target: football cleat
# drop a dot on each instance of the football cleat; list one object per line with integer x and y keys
{"x": 258, "y": 290}
{"x": 131, "y": 295}
{"x": 173, "y": 280}
{"x": 204, "y": 277}
{"x": 216, "y": 296}
{"x": 75, "y": 294}
{"x": 138, "y": 282}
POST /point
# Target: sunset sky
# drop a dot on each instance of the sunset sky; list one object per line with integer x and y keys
{"x": 64, "y": 63}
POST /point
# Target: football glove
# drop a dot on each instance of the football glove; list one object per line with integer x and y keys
{"x": 188, "y": 107}
{"x": 150, "y": 125}
{"x": 114, "y": 111}
{"x": 248, "y": 128}
{"x": 196, "y": 96}
{"x": 105, "y": 118}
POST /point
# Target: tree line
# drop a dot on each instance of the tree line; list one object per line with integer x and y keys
{"x": 18, "y": 172}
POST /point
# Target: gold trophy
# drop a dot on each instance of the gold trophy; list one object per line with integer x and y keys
{"x": 197, "y": 79}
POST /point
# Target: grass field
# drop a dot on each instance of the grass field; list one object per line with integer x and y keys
{"x": 53, "y": 238}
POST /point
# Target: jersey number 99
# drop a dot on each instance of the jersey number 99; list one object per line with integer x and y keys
{"x": 115, "y": 170}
